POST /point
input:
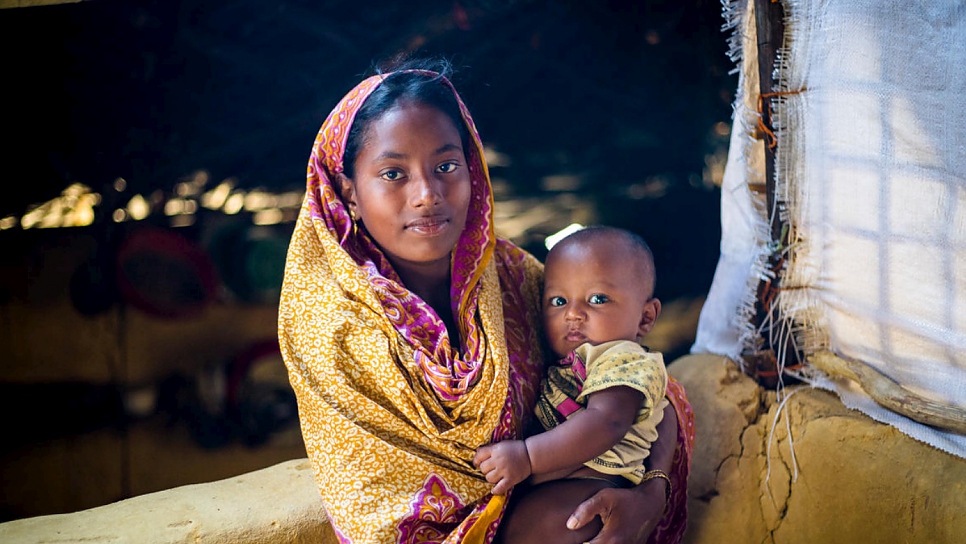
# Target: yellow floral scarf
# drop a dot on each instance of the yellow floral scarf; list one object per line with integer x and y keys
{"x": 391, "y": 412}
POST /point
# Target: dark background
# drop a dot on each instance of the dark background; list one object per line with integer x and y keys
{"x": 628, "y": 102}
{"x": 615, "y": 93}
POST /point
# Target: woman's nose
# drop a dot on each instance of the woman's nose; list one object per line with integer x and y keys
{"x": 427, "y": 190}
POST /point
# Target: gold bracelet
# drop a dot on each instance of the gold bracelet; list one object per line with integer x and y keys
{"x": 651, "y": 474}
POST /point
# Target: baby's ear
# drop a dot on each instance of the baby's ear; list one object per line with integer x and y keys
{"x": 652, "y": 309}
{"x": 346, "y": 190}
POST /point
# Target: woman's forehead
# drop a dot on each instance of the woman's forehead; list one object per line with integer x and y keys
{"x": 413, "y": 115}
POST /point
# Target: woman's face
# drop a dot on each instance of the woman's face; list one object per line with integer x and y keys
{"x": 411, "y": 187}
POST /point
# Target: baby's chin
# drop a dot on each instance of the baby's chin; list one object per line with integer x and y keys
{"x": 567, "y": 347}
{"x": 563, "y": 350}
{"x": 560, "y": 355}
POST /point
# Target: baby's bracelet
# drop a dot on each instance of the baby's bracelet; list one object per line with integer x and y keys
{"x": 651, "y": 474}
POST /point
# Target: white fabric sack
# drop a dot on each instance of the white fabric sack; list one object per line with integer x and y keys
{"x": 871, "y": 162}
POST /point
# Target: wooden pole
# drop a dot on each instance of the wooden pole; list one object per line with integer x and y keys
{"x": 763, "y": 364}
{"x": 770, "y": 26}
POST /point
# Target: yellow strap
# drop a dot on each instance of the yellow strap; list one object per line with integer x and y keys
{"x": 477, "y": 533}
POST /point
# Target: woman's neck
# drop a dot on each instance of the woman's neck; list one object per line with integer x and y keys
{"x": 429, "y": 281}
{"x": 432, "y": 283}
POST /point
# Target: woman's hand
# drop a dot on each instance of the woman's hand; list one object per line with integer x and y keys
{"x": 629, "y": 515}
{"x": 504, "y": 464}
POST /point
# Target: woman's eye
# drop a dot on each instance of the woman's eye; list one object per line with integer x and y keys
{"x": 557, "y": 301}
{"x": 446, "y": 167}
{"x": 598, "y": 299}
{"x": 391, "y": 175}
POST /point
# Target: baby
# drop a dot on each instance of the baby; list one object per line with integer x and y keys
{"x": 600, "y": 404}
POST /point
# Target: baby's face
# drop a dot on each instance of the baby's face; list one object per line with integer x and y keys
{"x": 591, "y": 294}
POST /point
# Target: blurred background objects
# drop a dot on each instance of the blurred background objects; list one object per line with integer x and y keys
{"x": 154, "y": 164}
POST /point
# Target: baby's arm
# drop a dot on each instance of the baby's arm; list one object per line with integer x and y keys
{"x": 588, "y": 433}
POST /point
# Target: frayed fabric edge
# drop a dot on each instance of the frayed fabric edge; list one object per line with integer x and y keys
{"x": 854, "y": 398}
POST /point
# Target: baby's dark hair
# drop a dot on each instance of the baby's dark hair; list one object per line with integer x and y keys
{"x": 633, "y": 241}
{"x": 404, "y": 85}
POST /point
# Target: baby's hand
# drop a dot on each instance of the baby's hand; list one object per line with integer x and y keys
{"x": 505, "y": 464}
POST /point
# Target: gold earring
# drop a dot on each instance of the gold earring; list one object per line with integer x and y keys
{"x": 354, "y": 222}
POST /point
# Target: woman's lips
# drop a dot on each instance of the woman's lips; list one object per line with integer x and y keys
{"x": 428, "y": 225}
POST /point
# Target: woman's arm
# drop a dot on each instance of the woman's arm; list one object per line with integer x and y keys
{"x": 588, "y": 433}
{"x": 630, "y": 515}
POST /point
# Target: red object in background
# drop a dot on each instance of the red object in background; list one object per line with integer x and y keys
{"x": 164, "y": 274}
{"x": 460, "y": 16}
{"x": 239, "y": 368}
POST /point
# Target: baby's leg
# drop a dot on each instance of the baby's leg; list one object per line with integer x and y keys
{"x": 539, "y": 514}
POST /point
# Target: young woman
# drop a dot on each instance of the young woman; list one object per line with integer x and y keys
{"x": 411, "y": 332}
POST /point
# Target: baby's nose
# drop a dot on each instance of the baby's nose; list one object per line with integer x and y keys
{"x": 574, "y": 314}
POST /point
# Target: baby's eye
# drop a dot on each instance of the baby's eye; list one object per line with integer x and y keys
{"x": 391, "y": 175}
{"x": 447, "y": 167}
{"x": 557, "y": 301}
{"x": 598, "y": 299}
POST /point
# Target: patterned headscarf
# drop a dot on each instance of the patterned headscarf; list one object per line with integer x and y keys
{"x": 392, "y": 413}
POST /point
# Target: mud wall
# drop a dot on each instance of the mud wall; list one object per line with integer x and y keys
{"x": 815, "y": 472}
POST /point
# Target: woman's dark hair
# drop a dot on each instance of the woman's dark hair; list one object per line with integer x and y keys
{"x": 408, "y": 86}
